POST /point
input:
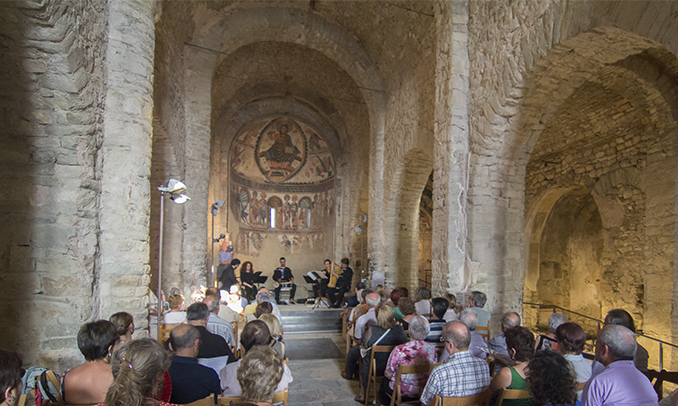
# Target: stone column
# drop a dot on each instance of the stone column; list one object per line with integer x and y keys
{"x": 125, "y": 159}
{"x": 451, "y": 148}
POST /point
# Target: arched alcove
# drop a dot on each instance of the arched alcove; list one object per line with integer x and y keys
{"x": 426, "y": 233}
{"x": 566, "y": 252}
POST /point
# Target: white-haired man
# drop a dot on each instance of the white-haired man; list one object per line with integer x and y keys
{"x": 621, "y": 383}
{"x": 498, "y": 343}
{"x": 476, "y": 301}
{"x": 469, "y": 318}
{"x": 464, "y": 374}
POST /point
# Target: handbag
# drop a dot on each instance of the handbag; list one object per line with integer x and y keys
{"x": 365, "y": 351}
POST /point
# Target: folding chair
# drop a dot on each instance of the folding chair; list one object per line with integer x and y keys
{"x": 372, "y": 374}
{"x": 482, "y": 398}
{"x": 484, "y": 331}
{"x": 280, "y": 397}
{"x": 397, "y": 397}
{"x": 506, "y": 394}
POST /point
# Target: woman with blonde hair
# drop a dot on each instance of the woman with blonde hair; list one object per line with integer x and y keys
{"x": 276, "y": 333}
{"x": 124, "y": 322}
{"x": 138, "y": 368}
{"x": 259, "y": 374}
{"x": 176, "y": 314}
{"x": 385, "y": 332}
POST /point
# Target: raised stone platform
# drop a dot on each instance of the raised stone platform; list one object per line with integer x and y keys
{"x": 302, "y": 319}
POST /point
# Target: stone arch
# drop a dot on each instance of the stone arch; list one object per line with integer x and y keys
{"x": 407, "y": 186}
{"x": 231, "y": 29}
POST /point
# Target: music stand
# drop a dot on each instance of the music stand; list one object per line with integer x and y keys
{"x": 259, "y": 280}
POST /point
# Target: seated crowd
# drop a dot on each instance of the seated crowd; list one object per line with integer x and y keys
{"x": 550, "y": 369}
{"x": 206, "y": 355}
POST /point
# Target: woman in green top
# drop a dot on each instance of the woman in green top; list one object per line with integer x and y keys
{"x": 520, "y": 345}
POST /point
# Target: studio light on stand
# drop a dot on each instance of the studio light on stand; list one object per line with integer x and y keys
{"x": 215, "y": 210}
{"x": 175, "y": 190}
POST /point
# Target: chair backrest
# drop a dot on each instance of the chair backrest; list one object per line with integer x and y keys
{"x": 280, "y": 397}
{"x": 484, "y": 331}
{"x": 512, "y": 394}
{"x": 580, "y": 386}
{"x": 396, "y": 398}
{"x": 482, "y": 398}
{"x": 226, "y": 400}
{"x": 166, "y": 329}
{"x": 208, "y": 401}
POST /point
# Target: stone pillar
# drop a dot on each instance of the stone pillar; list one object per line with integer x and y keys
{"x": 375, "y": 222}
{"x": 125, "y": 159}
{"x": 196, "y": 160}
{"x": 451, "y": 148}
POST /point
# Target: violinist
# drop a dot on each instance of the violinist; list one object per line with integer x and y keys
{"x": 336, "y": 293}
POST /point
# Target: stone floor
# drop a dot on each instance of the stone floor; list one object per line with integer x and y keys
{"x": 318, "y": 382}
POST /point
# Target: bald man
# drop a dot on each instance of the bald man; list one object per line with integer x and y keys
{"x": 621, "y": 383}
{"x": 464, "y": 374}
{"x": 190, "y": 380}
{"x": 498, "y": 343}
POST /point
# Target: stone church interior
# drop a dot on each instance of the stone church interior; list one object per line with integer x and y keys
{"x": 523, "y": 149}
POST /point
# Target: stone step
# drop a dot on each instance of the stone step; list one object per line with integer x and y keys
{"x": 311, "y": 321}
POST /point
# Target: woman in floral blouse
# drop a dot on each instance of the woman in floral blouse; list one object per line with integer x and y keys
{"x": 415, "y": 352}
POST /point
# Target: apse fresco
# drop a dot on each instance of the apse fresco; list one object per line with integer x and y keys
{"x": 282, "y": 186}
{"x": 281, "y": 151}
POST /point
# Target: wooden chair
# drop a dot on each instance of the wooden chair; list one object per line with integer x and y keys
{"x": 580, "y": 386}
{"x": 482, "y": 398}
{"x": 226, "y": 400}
{"x": 664, "y": 376}
{"x": 165, "y": 330}
{"x": 208, "y": 401}
{"x": 372, "y": 374}
{"x": 484, "y": 331}
{"x": 397, "y": 397}
{"x": 512, "y": 394}
{"x": 280, "y": 397}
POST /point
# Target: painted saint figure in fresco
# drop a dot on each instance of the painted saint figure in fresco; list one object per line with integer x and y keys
{"x": 283, "y": 152}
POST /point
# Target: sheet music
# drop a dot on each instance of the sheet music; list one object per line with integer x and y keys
{"x": 312, "y": 275}
{"x": 321, "y": 275}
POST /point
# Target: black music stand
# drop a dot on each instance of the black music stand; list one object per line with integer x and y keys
{"x": 259, "y": 280}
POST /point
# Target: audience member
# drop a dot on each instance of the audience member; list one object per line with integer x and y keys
{"x": 124, "y": 323}
{"x": 520, "y": 344}
{"x": 353, "y": 354}
{"x": 10, "y": 378}
{"x": 463, "y": 375}
{"x": 395, "y": 296}
{"x": 498, "y": 343}
{"x": 621, "y": 383}
{"x": 354, "y": 300}
{"x": 451, "y": 313}
{"x": 571, "y": 339}
{"x": 276, "y": 333}
{"x": 211, "y": 345}
{"x": 548, "y": 341}
{"x": 476, "y": 301}
{"x": 176, "y": 314}
{"x": 263, "y": 308}
{"x": 88, "y": 383}
{"x": 406, "y": 292}
{"x": 415, "y": 352}
{"x": 190, "y": 380}
{"x": 470, "y": 319}
{"x": 551, "y": 380}
{"x": 262, "y": 369}
{"x": 621, "y": 317}
{"x": 255, "y": 334}
{"x": 406, "y": 307}
{"x": 385, "y": 332}
{"x": 138, "y": 368}
{"x": 422, "y": 301}
{"x": 215, "y": 324}
{"x": 438, "y": 308}
{"x": 262, "y": 296}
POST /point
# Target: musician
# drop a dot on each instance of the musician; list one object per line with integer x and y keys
{"x": 343, "y": 285}
{"x": 283, "y": 274}
{"x": 228, "y": 277}
{"x": 247, "y": 280}
{"x": 320, "y": 288}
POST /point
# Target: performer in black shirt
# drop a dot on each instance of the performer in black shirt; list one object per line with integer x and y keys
{"x": 336, "y": 294}
{"x": 228, "y": 277}
{"x": 320, "y": 288}
{"x": 247, "y": 280}
{"x": 283, "y": 274}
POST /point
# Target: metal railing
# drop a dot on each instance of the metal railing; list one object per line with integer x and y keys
{"x": 662, "y": 343}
